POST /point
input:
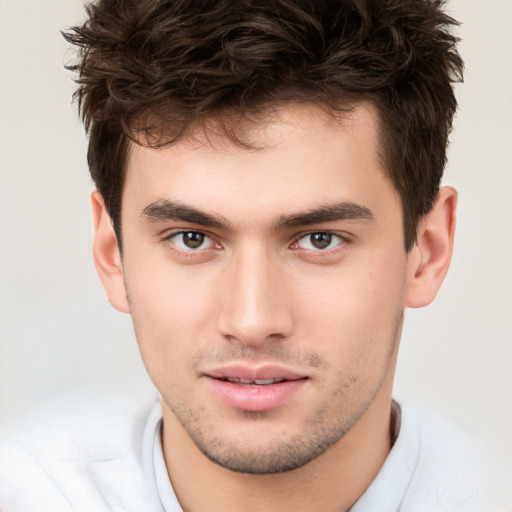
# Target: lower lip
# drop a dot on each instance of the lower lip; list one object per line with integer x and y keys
{"x": 254, "y": 398}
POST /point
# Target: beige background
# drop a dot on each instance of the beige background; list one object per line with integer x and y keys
{"x": 58, "y": 335}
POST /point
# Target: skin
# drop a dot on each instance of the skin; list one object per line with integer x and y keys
{"x": 257, "y": 290}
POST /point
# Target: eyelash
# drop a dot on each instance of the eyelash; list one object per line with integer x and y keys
{"x": 341, "y": 241}
{"x": 192, "y": 252}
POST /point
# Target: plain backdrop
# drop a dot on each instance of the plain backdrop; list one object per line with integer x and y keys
{"x": 59, "y": 335}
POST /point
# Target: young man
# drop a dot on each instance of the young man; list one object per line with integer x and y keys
{"x": 268, "y": 203}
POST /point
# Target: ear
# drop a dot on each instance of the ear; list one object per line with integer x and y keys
{"x": 430, "y": 257}
{"x": 107, "y": 257}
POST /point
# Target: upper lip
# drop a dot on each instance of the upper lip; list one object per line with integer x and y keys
{"x": 264, "y": 372}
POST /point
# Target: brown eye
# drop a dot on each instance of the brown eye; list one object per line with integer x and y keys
{"x": 191, "y": 240}
{"x": 319, "y": 241}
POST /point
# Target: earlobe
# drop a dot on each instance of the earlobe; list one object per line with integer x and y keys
{"x": 107, "y": 257}
{"x": 430, "y": 257}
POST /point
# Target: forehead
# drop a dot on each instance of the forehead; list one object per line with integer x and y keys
{"x": 299, "y": 157}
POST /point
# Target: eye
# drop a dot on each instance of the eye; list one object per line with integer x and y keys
{"x": 191, "y": 240}
{"x": 320, "y": 241}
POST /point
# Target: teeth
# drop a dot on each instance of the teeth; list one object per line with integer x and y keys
{"x": 264, "y": 382}
{"x": 258, "y": 382}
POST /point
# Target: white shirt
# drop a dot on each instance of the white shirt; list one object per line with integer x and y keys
{"x": 112, "y": 460}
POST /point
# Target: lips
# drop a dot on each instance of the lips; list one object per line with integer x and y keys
{"x": 257, "y": 382}
{"x": 254, "y": 389}
{"x": 246, "y": 373}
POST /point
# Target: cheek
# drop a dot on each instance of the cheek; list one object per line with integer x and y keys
{"x": 168, "y": 296}
{"x": 171, "y": 312}
{"x": 354, "y": 312}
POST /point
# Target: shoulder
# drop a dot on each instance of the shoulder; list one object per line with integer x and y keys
{"x": 452, "y": 470}
{"x": 434, "y": 467}
{"x": 77, "y": 457}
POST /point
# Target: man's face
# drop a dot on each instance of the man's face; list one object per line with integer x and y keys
{"x": 266, "y": 286}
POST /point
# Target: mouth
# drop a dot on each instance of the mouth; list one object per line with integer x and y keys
{"x": 249, "y": 389}
{"x": 255, "y": 382}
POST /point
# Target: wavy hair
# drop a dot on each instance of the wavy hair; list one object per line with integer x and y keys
{"x": 152, "y": 70}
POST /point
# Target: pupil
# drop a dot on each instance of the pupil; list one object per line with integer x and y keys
{"x": 321, "y": 240}
{"x": 193, "y": 240}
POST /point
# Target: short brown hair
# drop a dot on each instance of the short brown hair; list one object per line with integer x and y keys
{"x": 160, "y": 67}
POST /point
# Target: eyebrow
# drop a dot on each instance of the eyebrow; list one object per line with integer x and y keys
{"x": 165, "y": 210}
{"x": 344, "y": 210}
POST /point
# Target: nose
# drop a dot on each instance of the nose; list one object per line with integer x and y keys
{"x": 255, "y": 301}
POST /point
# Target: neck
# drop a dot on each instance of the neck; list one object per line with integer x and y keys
{"x": 332, "y": 482}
